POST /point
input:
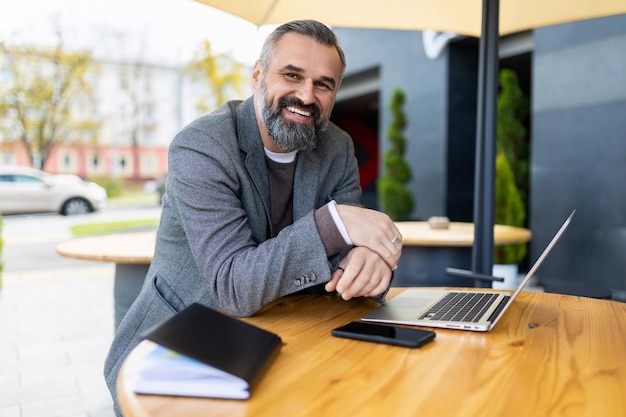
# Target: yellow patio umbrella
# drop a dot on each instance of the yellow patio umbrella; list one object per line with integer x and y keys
{"x": 486, "y": 19}
{"x": 460, "y": 16}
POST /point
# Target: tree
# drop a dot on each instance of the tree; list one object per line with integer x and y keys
{"x": 511, "y": 164}
{"x": 513, "y": 110}
{"x": 510, "y": 210}
{"x": 396, "y": 198}
{"x": 42, "y": 95}
{"x": 221, "y": 76}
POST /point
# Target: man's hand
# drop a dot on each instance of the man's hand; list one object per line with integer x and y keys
{"x": 361, "y": 273}
{"x": 373, "y": 230}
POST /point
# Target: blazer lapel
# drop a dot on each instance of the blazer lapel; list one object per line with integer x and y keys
{"x": 251, "y": 146}
{"x": 306, "y": 183}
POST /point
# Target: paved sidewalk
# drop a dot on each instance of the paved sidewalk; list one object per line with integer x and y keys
{"x": 55, "y": 328}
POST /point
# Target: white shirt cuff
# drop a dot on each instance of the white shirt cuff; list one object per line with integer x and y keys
{"x": 332, "y": 207}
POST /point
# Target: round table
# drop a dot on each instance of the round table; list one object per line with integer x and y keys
{"x": 131, "y": 253}
{"x": 427, "y": 252}
{"x": 550, "y": 355}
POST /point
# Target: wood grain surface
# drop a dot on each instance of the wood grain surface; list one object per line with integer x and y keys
{"x": 457, "y": 234}
{"x": 128, "y": 248}
{"x": 550, "y": 355}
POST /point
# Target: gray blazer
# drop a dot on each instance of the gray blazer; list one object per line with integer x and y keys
{"x": 214, "y": 243}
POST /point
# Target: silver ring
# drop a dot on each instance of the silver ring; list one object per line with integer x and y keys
{"x": 396, "y": 241}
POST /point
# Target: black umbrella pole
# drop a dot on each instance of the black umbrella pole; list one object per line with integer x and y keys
{"x": 484, "y": 179}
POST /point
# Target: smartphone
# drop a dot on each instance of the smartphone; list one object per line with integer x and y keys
{"x": 382, "y": 333}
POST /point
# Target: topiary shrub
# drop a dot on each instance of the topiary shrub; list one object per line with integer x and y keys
{"x": 114, "y": 186}
{"x": 512, "y": 135}
{"x": 396, "y": 199}
{"x": 510, "y": 211}
{"x": 511, "y": 164}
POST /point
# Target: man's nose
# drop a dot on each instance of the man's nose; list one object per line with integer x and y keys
{"x": 306, "y": 92}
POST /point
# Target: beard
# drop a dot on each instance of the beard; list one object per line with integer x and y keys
{"x": 287, "y": 134}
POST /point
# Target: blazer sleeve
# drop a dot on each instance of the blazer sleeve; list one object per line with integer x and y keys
{"x": 214, "y": 210}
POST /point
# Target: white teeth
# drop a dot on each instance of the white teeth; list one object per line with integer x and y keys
{"x": 298, "y": 111}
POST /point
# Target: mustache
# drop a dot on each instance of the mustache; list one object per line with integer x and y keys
{"x": 295, "y": 101}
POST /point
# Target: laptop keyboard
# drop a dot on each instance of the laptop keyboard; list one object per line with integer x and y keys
{"x": 464, "y": 307}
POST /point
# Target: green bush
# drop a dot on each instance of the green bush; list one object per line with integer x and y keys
{"x": 115, "y": 186}
{"x": 511, "y": 179}
{"x": 396, "y": 196}
{"x": 509, "y": 211}
{"x": 397, "y": 200}
{"x": 397, "y": 167}
{"x": 512, "y": 135}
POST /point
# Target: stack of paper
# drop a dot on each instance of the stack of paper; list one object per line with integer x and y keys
{"x": 166, "y": 372}
{"x": 201, "y": 352}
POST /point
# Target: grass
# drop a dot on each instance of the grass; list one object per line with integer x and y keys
{"x": 133, "y": 199}
{"x": 127, "y": 199}
{"x": 113, "y": 227}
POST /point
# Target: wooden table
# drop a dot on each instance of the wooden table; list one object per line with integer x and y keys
{"x": 427, "y": 252}
{"x": 550, "y": 355}
{"x": 457, "y": 234}
{"x": 131, "y": 253}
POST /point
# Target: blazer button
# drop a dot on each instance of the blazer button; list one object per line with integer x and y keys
{"x": 298, "y": 281}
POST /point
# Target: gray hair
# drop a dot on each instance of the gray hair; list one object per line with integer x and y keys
{"x": 309, "y": 28}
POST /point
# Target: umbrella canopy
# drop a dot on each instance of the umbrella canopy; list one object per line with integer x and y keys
{"x": 487, "y": 19}
{"x": 460, "y": 16}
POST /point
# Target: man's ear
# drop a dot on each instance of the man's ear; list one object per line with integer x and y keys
{"x": 257, "y": 72}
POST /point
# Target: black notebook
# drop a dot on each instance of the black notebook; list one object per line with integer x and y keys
{"x": 201, "y": 352}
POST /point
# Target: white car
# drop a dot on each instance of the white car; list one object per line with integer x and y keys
{"x": 28, "y": 190}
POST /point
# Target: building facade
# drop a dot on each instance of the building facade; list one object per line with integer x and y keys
{"x": 136, "y": 109}
{"x": 575, "y": 77}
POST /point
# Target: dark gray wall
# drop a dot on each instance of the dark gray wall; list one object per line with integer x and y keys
{"x": 403, "y": 63}
{"x": 579, "y": 150}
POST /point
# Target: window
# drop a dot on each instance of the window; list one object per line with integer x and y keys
{"x": 25, "y": 178}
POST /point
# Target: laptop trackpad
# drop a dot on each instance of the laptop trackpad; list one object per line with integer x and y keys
{"x": 417, "y": 299}
{"x": 406, "y": 306}
{"x": 412, "y": 303}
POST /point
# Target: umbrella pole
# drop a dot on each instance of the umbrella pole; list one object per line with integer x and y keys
{"x": 484, "y": 177}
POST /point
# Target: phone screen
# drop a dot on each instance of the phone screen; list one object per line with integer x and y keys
{"x": 380, "y": 333}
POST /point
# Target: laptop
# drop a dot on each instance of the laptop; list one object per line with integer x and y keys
{"x": 473, "y": 310}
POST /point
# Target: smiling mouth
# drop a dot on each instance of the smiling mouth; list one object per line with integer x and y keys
{"x": 299, "y": 111}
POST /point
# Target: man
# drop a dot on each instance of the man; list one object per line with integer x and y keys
{"x": 262, "y": 199}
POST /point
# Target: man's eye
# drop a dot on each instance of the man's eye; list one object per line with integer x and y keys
{"x": 324, "y": 86}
